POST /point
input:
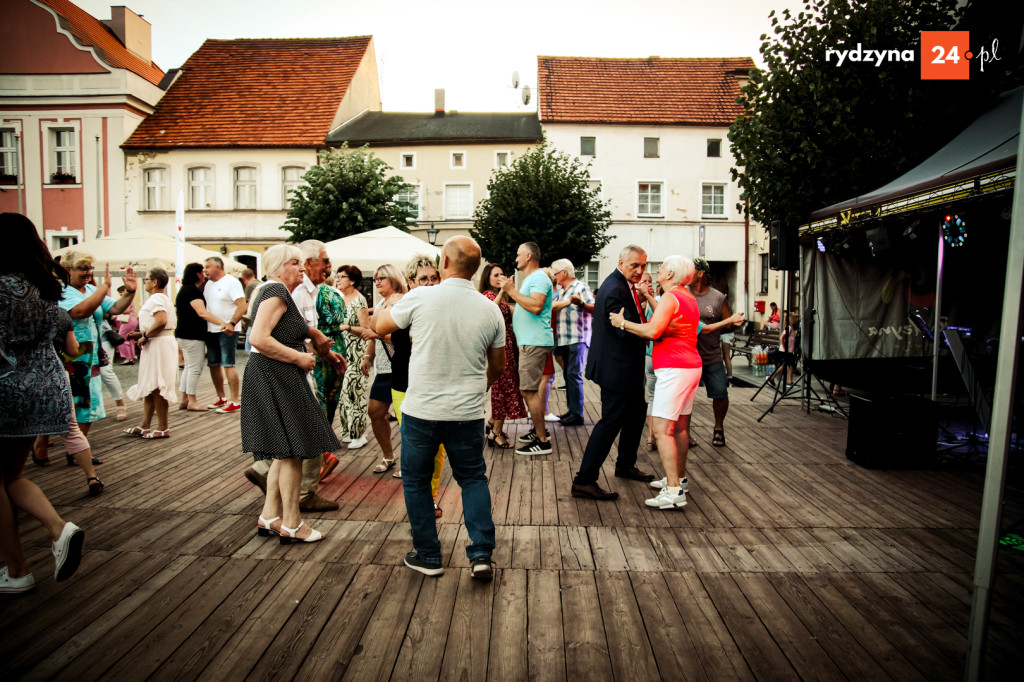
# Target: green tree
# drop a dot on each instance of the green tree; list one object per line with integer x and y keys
{"x": 816, "y": 133}
{"x": 544, "y": 196}
{"x": 348, "y": 192}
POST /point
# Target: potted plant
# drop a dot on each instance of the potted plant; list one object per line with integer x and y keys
{"x": 62, "y": 178}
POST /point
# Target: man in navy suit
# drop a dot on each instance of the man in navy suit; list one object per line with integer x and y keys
{"x": 616, "y": 364}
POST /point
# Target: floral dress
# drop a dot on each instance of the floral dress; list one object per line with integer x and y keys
{"x": 88, "y": 404}
{"x": 352, "y": 417}
{"x": 506, "y": 400}
{"x": 330, "y": 312}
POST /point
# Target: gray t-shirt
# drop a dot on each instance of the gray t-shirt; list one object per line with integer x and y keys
{"x": 452, "y": 325}
{"x": 710, "y": 345}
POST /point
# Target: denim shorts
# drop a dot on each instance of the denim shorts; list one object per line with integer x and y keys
{"x": 715, "y": 382}
{"x": 220, "y": 349}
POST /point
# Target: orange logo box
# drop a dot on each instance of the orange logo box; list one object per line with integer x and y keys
{"x": 945, "y": 55}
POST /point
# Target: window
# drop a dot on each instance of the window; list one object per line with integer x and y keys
{"x": 588, "y": 146}
{"x": 651, "y": 147}
{"x": 458, "y": 160}
{"x": 764, "y": 273}
{"x": 61, "y": 241}
{"x": 649, "y": 199}
{"x": 458, "y": 201}
{"x": 714, "y": 149}
{"x": 291, "y": 177}
{"x": 8, "y": 156}
{"x": 588, "y": 273}
{"x": 245, "y": 188}
{"x": 712, "y": 200}
{"x": 596, "y": 185}
{"x": 501, "y": 159}
{"x": 411, "y": 199}
{"x": 200, "y": 188}
{"x": 65, "y": 155}
{"x": 154, "y": 189}
{"x": 408, "y": 161}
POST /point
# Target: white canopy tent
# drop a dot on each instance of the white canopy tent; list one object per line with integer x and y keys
{"x": 369, "y": 250}
{"x": 142, "y": 250}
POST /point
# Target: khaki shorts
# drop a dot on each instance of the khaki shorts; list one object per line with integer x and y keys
{"x": 531, "y": 366}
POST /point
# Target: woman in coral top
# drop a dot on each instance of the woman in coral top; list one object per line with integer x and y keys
{"x": 677, "y": 366}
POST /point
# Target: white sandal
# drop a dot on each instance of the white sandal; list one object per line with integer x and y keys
{"x": 288, "y": 534}
{"x": 263, "y": 526}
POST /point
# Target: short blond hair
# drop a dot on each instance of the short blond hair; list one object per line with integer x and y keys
{"x": 76, "y": 259}
{"x": 276, "y": 256}
{"x": 394, "y": 276}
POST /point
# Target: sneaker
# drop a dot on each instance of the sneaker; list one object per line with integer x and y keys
{"x": 482, "y": 568}
{"x": 536, "y": 447}
{"x": 666, "y": 500}
{"x": 221, "y": 402}
{"x": 67, "y": 551}
{"x": 357, "y": 443}
{"x": 530, "y": 436}
{"x": 684, "y": 484}
{"x": 346, "y": 439}
{"x": 9, "y": 585}
{"x": 571, "y": 420}
{"x": 550, "y": 417}
{"x": 413, "y": 561}
{"x": 229, "y": 408}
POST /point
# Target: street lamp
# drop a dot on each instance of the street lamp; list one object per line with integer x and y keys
{"x": 432, "y": 235}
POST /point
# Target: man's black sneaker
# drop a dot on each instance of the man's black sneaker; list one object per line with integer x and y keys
{"x": 571, "y": 420}
{"x": 482, "y": 569}
{"x": 413, "y": 561}
{"x": 535, "y": 447}
{"x": 530, "y": 436}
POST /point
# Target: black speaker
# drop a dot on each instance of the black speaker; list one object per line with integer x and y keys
{"x": 892, "y": 432}
{"x": 783, "y": 250}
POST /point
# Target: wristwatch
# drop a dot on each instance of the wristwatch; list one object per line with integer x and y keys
{"x": 622, "y": 325}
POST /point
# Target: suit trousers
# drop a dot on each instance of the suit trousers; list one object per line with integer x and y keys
{"x": 623, "y": 414}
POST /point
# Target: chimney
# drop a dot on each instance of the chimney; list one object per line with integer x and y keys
{"x": 439, "y": 102}
{"x": 133, "y": 31}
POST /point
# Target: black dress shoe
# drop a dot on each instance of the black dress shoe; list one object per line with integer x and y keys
{"x": 593, "y": 491}
{"x": 634, "y": 474}
{"x": 571, "y": 420}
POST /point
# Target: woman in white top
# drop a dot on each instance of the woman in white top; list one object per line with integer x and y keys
{"x": 158, "y": 363}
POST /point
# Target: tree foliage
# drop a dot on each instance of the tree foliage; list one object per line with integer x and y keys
{"x": 544, "y": 196}
{"x": 348, "y": 192}
{"x": 816, "y": 133}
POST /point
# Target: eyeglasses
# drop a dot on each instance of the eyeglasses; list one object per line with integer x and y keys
{"x": 148, "y": 279}
{"x": 325, "y": 261}
{"x": 341, "y": 275}
{"x": 431, "y": 279}
{"x": 378, "y": 280}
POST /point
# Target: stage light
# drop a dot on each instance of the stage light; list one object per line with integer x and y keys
{"x": 954, "y": 230}
{"x": 911, "y": 231}
{"x": 821, "y": 245}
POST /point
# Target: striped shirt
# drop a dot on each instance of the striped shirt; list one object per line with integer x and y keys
{"x": 573, "y": 321}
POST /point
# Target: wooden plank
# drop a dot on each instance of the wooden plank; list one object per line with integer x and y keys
{"x": 764, "y": 552}
{"x": 586, "y": 649}
{"x": 606, "y": 549}
{"x": 466, "y": 652}
{"x": 507, "y": 659}
{"x": 638, "y": 550}
{"x": 545, "y": 645}
{"x": 526, "y": 547}
{"x": 628, "y": 646}
{"x": 425, "y": 639}
{"x": 575, "y": 546}
{"x": 673, "y": 650}
{"x": 550, "y": 549}
{"x": 700, "y": 550}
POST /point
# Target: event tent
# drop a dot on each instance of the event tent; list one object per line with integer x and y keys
{"x": 141, "y": 250}
{"x": 369, "y": 250}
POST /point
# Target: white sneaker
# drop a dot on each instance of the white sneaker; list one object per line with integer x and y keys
{"x": 9, "y": 585}
{"x": 666, "y": 500}
{"x": 67, "y": 551}
{"x": 346, "y": 439}
{"x": 684, "y": 484}
{"x": 357, "y": 443}
{"x": 550, "y": 417}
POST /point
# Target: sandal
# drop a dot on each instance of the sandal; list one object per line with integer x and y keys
{"x": 288, "y": 535}
{"x": 150, "y": 435}
{"x": 692, "y": 443}
{"x": 504, "y": 445}
{"x": 122, "y": 412}
{"x": 384, "y": 465}
{"x": 264, "y": 528}
{"x": 437, "y": 511}
{"x": 135, "y": 431}
{"x": 718, "y": 440}
{"x": 397, "y": 474}
{"x": 44, "y": 462}
{"x": 95, "y": 488}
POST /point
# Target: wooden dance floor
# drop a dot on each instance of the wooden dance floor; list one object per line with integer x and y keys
{"x": 790, "y": 562}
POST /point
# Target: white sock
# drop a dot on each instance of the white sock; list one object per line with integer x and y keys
{"x": 674, "y": 491}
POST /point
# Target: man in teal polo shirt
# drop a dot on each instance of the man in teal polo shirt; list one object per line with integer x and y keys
{"x": 531, "y": 323}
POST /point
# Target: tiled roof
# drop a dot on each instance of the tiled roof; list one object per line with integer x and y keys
{"x": 697, "y": 91}
{"x": 254, "y": 93}
{"x": 90, "y": 31}
{"x": 384, "y": 128}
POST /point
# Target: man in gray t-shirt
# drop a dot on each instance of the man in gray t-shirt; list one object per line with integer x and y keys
{"x": 714, "y": 307}
{"x": 458, "y": 350}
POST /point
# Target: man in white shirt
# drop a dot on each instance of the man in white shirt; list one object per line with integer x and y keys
{"x": 225, "y": 300}
{"x": 458, "y": 350}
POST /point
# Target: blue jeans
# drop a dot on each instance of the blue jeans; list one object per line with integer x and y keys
{"x": 464, "y": 443}
{"x": 574, "y": 359}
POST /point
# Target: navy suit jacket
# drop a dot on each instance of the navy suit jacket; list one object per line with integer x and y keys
{"x": 616, "y": 360}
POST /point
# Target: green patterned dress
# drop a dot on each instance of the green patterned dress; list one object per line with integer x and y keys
{"x": 330, "y": 311}
{"x": 352, "y": 416}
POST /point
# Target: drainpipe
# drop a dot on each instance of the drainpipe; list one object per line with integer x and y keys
{"x": 99, "y": 189}
{"x": 746, "y": 258}
{"x": 21, "y": 174}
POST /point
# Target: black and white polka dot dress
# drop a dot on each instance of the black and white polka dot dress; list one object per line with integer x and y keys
{"x": 281, "y": 418}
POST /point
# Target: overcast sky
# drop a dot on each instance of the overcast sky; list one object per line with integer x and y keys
{"x": 469, "y": 48}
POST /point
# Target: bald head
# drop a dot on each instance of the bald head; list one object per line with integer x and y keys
{"x": 460, "y": 257}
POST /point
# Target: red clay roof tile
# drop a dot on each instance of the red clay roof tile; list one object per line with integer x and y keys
{"x": 692, "y": 91}
{"x": 254, "y": 93}
{"x": 92, "y": 32}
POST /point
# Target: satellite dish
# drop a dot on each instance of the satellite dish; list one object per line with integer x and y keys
{"x": 526, "y": 94}
{"x": 515, "y": 79}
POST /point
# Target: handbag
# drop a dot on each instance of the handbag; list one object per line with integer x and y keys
{"x": 113, "y": 338}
